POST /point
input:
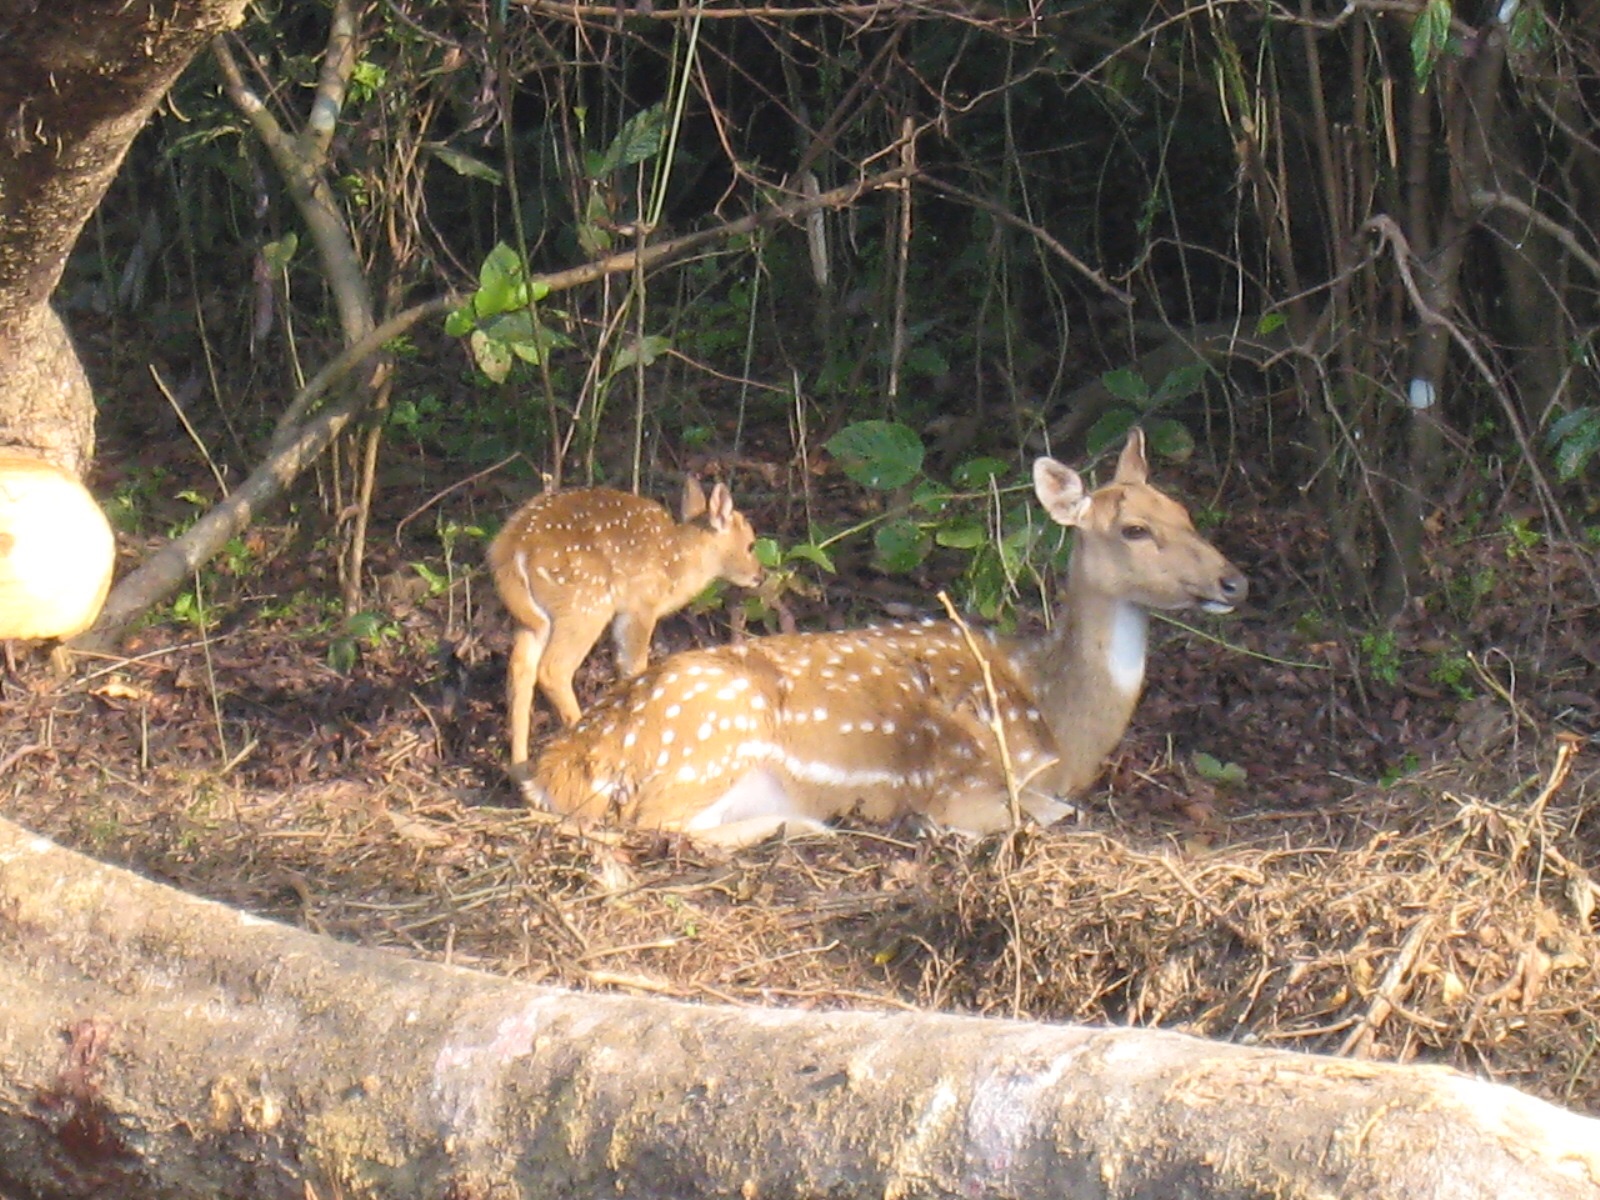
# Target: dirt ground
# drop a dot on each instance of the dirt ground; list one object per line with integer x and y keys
{"x": 1389, "y": 867}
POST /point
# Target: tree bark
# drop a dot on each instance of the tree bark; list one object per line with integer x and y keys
{"x": 155, "y": 1044}
{"x": 77, "y": 82}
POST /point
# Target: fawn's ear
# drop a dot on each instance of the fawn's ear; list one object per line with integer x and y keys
{"x": 693, "y": 501}
{"x": 1131, "y": 464}
{"x": 720, "y": 508}
{"x": 1060, "y": 489}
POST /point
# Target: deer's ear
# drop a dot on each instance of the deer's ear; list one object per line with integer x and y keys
{"x": 1131, "y": 465}
{"x": 1060, "y": 489}
{"x": 720, "y": 507}
{"x": 693, "y": 501}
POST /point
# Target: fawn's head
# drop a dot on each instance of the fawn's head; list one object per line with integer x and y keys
{"x": 1134, "y": 542}
{"x": 733, "y": 539}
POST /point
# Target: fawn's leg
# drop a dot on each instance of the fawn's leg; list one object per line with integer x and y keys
{"x": 527, "y": 649}
{"x": 570, "y": 643}
{"x": 630, "y": 634}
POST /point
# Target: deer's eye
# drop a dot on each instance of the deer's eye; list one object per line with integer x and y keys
{"x": 1135, "y": 533}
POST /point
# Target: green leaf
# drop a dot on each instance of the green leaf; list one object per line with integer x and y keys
{"x": 987, "y": 582}
{"x": 976, "y": 473}
{"x": 646, "y": 350}
{"x": 438, "y": 582}
{"x": 342, "y": 655}
{"x": 926, "y": 361}
{"x": 878, "y": 454}
{"x": 638, "y": 139}
{"x": 899, "y": 546}
{"x": 1270, "y": 323}
{"x": 1127, "y": 386}
{"x": 1430, "y": 35}
{"x": 964, "y": 532}
{"x": 930, "y": 497}
{"x": 502, "y": 283}
{"x": 1208, "y": 766}
{"x": 1170, "y": 439}
{"x": 464, "y": 164}
{"x": 461, "y": 321}
{"x": 812, "y": 553}
{"x": 1575, "y": 439}
{"x": 280, "y": 254}
{"x": 493, "y": 357}
{"x": 1110, "y": 430}
{"x": 767, "y": 551}
{"x": 516, "y": 333}
{"x": 1180, "y": 383}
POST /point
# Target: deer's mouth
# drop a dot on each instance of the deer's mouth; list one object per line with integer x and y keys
{"x": 1229, "y": 588}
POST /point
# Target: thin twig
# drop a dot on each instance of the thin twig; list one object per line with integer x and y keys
{"x": 996, "y": 719}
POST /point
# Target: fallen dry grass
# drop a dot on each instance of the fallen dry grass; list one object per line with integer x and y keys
{"x": 1443, "y": 919}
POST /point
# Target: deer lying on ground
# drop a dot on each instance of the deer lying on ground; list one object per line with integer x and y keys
{"x": 730, "y": 744}
{"x": 567, "y": 564}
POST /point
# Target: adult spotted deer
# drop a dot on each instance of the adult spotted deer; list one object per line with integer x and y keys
{"x": 567, "y": 564}
{"x": 729, "y": 744}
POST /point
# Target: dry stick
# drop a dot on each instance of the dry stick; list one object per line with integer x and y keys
{"x": 897, "y": 339}
{"x": 996, "y": 723}
{"x": 454, "y": 487}
{"x": 1387, "y": 998}
{"x": 1217, "y": 914}
{"x": 1013, "y": 797}
{"x": 1566, "y": 751}
{"x": 188, "y": 427}
{"x": 1518, "y": 713}
{"x": 1534, "y": 217}
{"x": 660, "y": 252}
{"x": 1042, "y": 235}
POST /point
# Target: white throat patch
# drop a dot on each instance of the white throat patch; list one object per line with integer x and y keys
{"x": 1125, "y": 655}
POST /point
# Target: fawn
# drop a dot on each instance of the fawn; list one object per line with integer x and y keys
{"x": 730, "y": 744}
{"x": 568, "y": 563}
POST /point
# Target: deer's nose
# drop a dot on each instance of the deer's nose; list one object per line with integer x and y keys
{"x": 1234, "y": 586}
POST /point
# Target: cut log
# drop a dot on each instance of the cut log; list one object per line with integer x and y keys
{"x": 155, "y": 1044}
{"x": 56, "y": 551}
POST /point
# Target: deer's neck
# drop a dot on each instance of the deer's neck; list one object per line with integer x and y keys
{"x": 672, "y": 573}
{"x": 1086, "y": 675}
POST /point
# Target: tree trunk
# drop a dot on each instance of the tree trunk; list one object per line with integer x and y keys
{"x": 77, "y": 82}
{"x": 155, "y": 1044}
